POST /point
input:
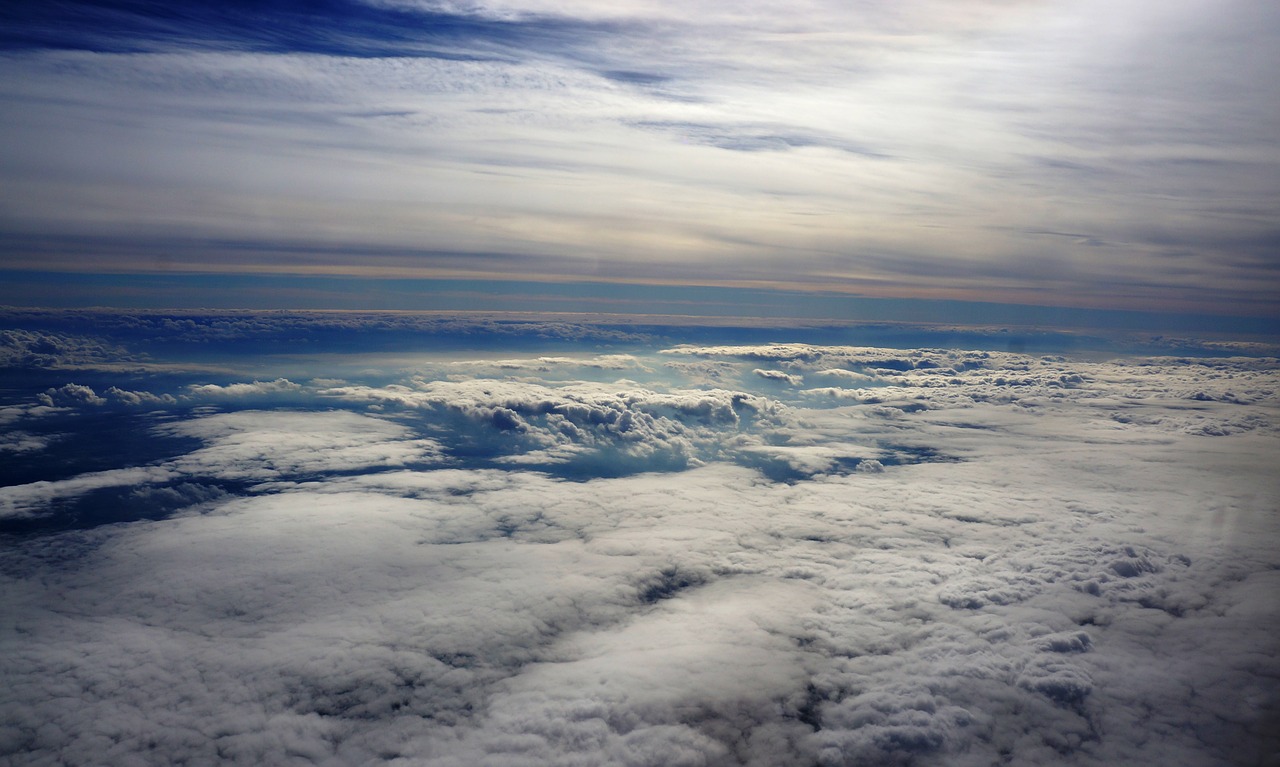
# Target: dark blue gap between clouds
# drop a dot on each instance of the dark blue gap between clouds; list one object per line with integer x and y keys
{"x": 276, "y": 292}
{"x": 326, "y": 27}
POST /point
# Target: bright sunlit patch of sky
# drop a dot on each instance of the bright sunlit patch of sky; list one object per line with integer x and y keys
{"x": 1066, "y": 154}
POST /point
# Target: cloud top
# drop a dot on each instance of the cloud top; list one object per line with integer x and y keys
{"x": 688, "y": 553}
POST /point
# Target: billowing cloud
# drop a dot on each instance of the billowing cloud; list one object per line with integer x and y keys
{"x": 610, "y": 427}
{"x": 139, "y": 398}
{"x": 779, "y": 376}
{"x": 256, "y": 388}
{"x": 71, "y": 394}
{"x": 78, "y": 395}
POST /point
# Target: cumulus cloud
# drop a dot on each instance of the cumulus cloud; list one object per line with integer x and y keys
{"x": 1200, "y": 395}
{"x": 139, "y": 398}
{"x": 592, "y": 621}
{"x": 70, "y": 394}
{"x": 20, "y": 347}
{"x": 604, "y": 425}
{"x": 252, "y": 389}
{"x": 779, "y": 376}
{"x": 16, "y": 439}
{"x": 846, "y": 375}
{"x": 73, "y": 395}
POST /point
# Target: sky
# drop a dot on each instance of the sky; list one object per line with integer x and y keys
{"x": 441, "y": 383}
{"x": 287, "y": 538}
{"x": 879, "y": 158}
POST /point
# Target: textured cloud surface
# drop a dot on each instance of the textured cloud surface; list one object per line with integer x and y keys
{"x": 702, "y": 555}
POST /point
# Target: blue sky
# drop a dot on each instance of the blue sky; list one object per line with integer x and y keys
{"x": 1077, "y": 155}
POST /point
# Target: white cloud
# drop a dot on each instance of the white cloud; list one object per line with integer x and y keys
{"x": 34, "y": 498}
{"x": 22, "y": 442}
{"x": 631, "y": 427}
{"x": 264, "y": 445}
{"x": 779, "y": 376}
{"x": 245, "y": 446}
{"x": 545, "y": 365}
{"x": 70, "y": 395}
{"x": 256, "y": 388}
{"x": 139, "y": 398}
{"x": 847, "y": 375}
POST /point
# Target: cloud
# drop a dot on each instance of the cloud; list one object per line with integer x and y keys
{"x": 35, "y": 498}
{"x": 185, "y": 339}
{"x": 139, "y": 398}
{"x": 22, "y": 442}
{"x": 555, "y": 650}
{"x": 1054, "y": 563}
{"x": 599, "y": 425}
{"x": 256, "y": 388}
{"x": 270, "y": 445}
{"x": 244, "y": 446}
{"x": 847, "y": 375}
{"x": 70, "y": 394}
{"x": 820, "y": 122}
{"x": 754, "y": 138}
{"x": 73, "y": 395}
{"x": 32, "y": 348}
{"x": 1163, "y": 393}
{"x": 779, "y": 376}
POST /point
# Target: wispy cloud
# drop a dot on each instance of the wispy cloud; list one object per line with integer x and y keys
{"x": 903, "y": 149}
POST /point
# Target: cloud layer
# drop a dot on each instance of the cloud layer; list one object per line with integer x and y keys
{"x": 783, "y": 554}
